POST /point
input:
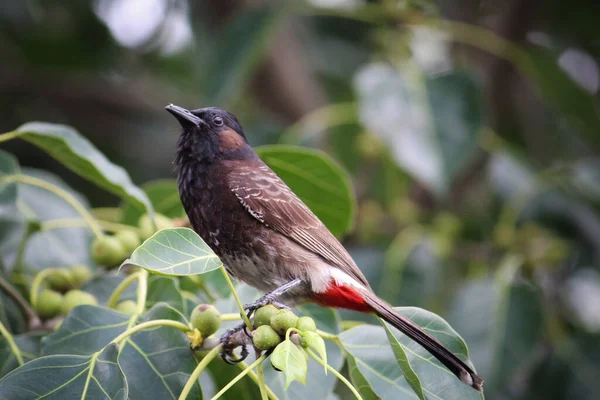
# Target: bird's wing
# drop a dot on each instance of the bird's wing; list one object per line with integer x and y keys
{"x": 268, "y": 199}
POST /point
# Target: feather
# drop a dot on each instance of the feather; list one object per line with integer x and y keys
{"x": 268, "y": 199}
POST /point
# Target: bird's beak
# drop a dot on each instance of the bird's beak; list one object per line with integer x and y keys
{"x": 185, "y": 117}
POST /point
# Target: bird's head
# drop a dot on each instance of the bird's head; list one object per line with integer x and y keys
{"x": 209, "y": 134}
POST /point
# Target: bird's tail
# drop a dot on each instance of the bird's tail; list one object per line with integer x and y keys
{"x": 416, "y": 333}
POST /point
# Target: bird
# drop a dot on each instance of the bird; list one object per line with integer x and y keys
{"x": 267, "y": 237}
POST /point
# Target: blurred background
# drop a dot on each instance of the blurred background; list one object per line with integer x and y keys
{"x": 470, "y": 129}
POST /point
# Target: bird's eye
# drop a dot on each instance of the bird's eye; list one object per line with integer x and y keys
{"x": 218, "y": 121}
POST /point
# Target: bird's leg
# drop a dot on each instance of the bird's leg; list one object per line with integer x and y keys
{"x": 229, "y": 345}
{"x": 271, "y": 298}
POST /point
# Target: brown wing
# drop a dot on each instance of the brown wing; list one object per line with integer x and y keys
{"x": 268, "y": 199}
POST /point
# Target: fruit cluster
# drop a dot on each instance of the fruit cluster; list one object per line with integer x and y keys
{"x": 270, "y": 324}
{"x": 110, "y": 251}
{"x": 61, "y": 294}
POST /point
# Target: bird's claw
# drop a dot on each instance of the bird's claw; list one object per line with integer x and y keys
{"x": 263, "y": 301}
{"x": 227, "y": 351}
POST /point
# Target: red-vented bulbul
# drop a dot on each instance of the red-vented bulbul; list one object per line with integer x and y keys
{"x": 266, "y": 236}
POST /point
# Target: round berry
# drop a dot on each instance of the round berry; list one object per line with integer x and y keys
{"x": 108, "y": 251}
{"x": 129, "y": 240}
{"x": 265, "y": 338}
{"x": 80, "y": 274}
{"x": 127, "y": 307}
{"x": 146, "y": 228}
{"x": 48, "y": 303}
{"x": 306, "y": 324}
{"x": 283, "y": 320}
{"x": 60, "y": 280}
{"x": 76, "y": 298}
{"x": 206, "y": 318}
{"x": 263, "y": 315}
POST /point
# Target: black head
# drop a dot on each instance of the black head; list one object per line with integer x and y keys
{"x": 209, "y": 134}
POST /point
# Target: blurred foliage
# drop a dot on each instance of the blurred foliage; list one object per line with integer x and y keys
{"x": 470, "y": 130}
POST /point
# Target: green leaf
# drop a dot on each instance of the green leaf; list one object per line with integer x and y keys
{"x": 11, "y": 314}
{"x": 316, "y": 342}
{"x": 67, "y": 377}
{"x": 175, "y": 251}
{"x": 102, "y": 286}
{"x": 52, "y": 246}
{"x": 358, "y": 379}
{"x": 565, "y": 94}
{"x": 86, "y": 330}
{"x": 288, "y": 358}
{"x": 377, "y": 363}
{"x": 12, "y": 223}
{"x": 28, "y": 344}
{"x": 410, "y": 375}
{"x": 79, "y": 155}
{"x": 165, "y": 289}
{"x": 164, "y": 196}
{"x": 430, "y": 124}
{"x": 158, "y": 362}
{"x": 322, "y": 184}
{"x": 239, "y": 49}
{"x": 504, "y": 328}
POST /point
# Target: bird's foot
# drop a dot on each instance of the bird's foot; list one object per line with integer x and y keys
{"x": 263, "y": 301}
{"x": 271, "y": 298}
{"x": 229, "y": 345}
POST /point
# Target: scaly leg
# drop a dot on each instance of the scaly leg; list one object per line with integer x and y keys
{"x": 271, "y": 298}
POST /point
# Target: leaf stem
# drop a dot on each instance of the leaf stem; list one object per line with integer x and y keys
{"x": 107, "y": 226}
{"x": 114, "y": 297}
{"x": 39, "y": 279}
{"x": 66, "y": 196}
{"x": 142, "y": 291}
{"x": 11, "y": 343}
{"x": 150, "y": 324}
{"x": 252, "y": 375}
{"x": 336, "y": 373}
{"x": 198, "y": 370}
{"x": 261, "y": 382}
{"x": 236, "y": 297}
{"x": 20, "y": 257}
{"x": 230, "y": 317}
{"x": 328, "y": 336}
{"x": 237, "y": 378}
{"x": 16, "y": 296}
{"x": 9, "y": 135}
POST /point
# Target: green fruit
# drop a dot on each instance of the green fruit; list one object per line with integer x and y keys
{"x": 48, "y": 303}
{"x": 129, "y": 239}
{"x": 283, "y": 320}
{"x": 76, "y": 298}
{"x": 306, "y": 324}
{"x": 146, "y": 228}
{"x": 265, "y": 338}
{"x": 108, "y": 251}
{"x": 60, "y": 280}
{"x": 263, "y": 315}
{"x": 80, "y": 274}
{"x": 127, "y": 307}
{"x": 206, "y": 318}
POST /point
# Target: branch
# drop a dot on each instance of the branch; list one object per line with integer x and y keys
{"x": 33, "y": 319}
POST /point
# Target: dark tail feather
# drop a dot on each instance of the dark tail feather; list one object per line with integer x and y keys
{"x": 416, "y": 333}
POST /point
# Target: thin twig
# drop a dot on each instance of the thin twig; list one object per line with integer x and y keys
{"x": 198, "y": 370}
{"x": 32, "y": 316}
{"x": 11, "y": 343}
{"x": 237, "y": 378}
{"x": 236, "y": 297}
